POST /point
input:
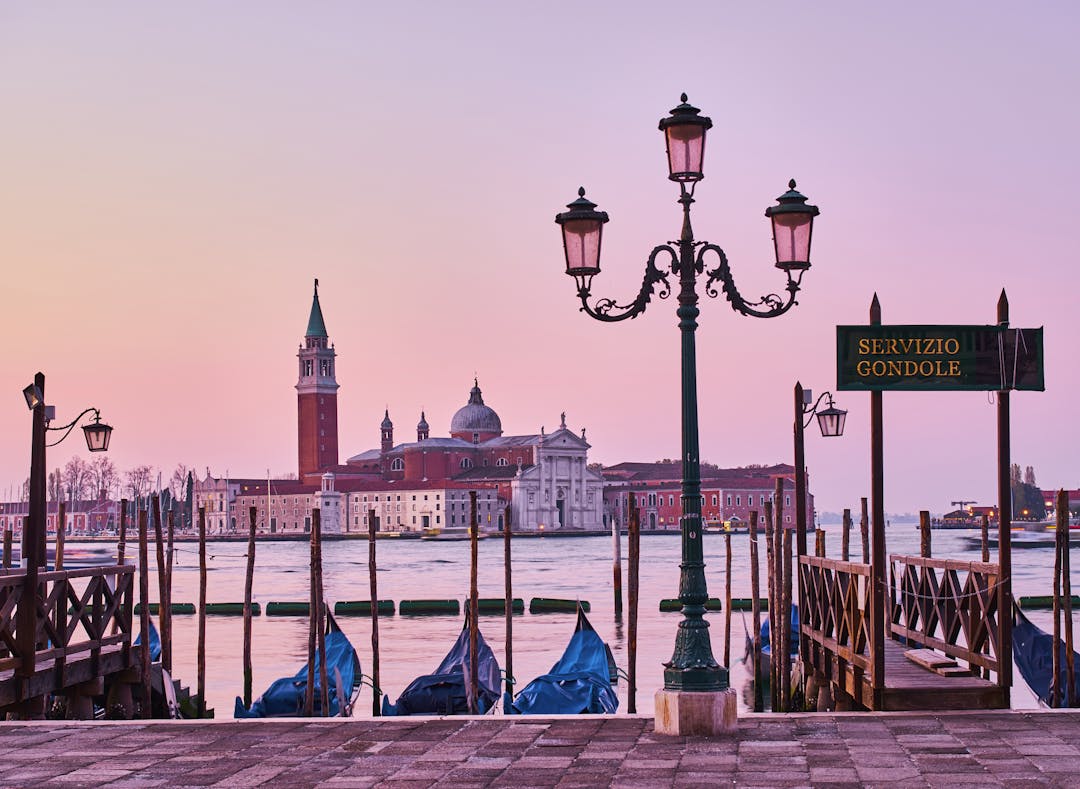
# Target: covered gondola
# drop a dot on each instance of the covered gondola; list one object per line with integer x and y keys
{"x": 1033, "y": 651}
{"x": 285, "y": 697}
{"x": 444, "y": 691}
{"x": 580, "y": 682}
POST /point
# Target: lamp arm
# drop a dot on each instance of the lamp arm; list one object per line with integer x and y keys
{"x": 607, "y": 310}
{"x": 773, "y": 304}
{"x": 813, "y": 409}
{"x": 71, "y": 425}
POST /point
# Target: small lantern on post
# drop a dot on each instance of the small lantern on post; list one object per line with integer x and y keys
{"x": 97, "y": 434}
{"x": 831, "y": 420}
{"x": 792, "y": 224}
{"x": 684, "y": 132}
{"x": 582, "y": 230}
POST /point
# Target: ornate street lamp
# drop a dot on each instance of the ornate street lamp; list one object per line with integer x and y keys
{"x": 692, "y": 666}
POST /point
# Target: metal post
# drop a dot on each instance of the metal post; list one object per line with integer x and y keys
{"x": 1004, "y": 530}
{"x": 800, "y": 512}
{"x": 692, "y": 666}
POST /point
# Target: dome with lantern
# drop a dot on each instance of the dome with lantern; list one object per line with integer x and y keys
{"x": 474, "y": 420}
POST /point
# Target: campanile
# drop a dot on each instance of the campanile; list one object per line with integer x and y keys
{"x": 316, "y": 400}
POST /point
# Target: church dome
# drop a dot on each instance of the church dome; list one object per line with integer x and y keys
{"x": 475, "y": 417}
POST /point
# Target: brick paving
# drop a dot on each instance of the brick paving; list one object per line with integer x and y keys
{"x": 919, "y": 749}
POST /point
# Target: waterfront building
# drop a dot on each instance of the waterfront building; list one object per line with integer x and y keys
{"x": 83, "y": 517}
{"x": 728, "y": 494}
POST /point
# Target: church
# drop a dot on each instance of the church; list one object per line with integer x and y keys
{"x": 543, "y": 477}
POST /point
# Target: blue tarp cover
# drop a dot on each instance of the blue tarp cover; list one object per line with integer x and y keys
{"x": 285, "y": 697}
{"x": 443, "y": 692}
{"x": 155, "y": 643}
{"x": 579, "y": 683}
{"x": 1033, "y": 651}
{"x": 766, "y": 649}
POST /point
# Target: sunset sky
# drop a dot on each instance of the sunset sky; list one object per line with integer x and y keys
{"x": 173, "y": 176}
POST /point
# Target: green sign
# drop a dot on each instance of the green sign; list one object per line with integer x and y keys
{"x": 938, "y": 358}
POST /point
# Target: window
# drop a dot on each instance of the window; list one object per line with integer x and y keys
{"x": 466, "y": 463}
{"x": 308, "y": 367}
{"x": 476, "y": 438}
{"x": 397, "y": 465}
{"x": 670, "y": 503}
{"x": 738, "y": 501}
{"x": 652, "y": 499}
{"x": 729, "y": 500}
{"x": 713, "y": 503}
{"x": 787, "y": 501}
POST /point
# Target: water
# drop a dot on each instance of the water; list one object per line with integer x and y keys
{"x": 551, "y": 567}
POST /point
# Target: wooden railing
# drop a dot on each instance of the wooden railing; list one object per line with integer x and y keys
{"x": 836, "y": 623}
{"x": 73, "y": 612}
{"x": 947, "y": 605}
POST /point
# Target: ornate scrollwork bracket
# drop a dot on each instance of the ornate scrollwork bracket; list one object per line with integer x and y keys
{"x": 768, "y": 306}
{"x": 607, "y": 310}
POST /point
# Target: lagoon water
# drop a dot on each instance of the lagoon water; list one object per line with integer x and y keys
{"x": 542, "y": 567}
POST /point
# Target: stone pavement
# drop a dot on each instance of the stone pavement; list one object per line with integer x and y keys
{"x": 895, "y": 749}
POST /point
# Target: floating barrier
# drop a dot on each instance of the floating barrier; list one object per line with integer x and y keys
{"x": 429, "y": 607}
{"x": 363, "y": 608}
{"x": 176, "y": 608}
{"x": 747, "y": 604}
{"x": 670, "y": 604}
{"x": 497, "y": 605}
{"x": 231, "y": 609}
{"x": 286, "y": 609}
{"x": 1035, "y": 602}
{"x": 552, "y": 605}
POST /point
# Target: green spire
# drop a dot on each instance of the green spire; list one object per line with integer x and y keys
{"x": 316, "y": 327}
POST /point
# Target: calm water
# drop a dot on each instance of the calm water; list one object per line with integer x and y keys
{"x": 553, "y": 567}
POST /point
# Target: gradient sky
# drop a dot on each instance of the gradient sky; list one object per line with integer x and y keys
{"x": 172, "y": 177}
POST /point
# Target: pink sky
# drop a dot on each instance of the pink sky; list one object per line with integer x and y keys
{"x": 172, "y": 177}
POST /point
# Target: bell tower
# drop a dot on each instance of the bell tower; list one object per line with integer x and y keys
{"x": 316, "y": 401}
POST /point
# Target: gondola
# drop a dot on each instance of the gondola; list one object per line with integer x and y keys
{"x": 1033, "y": 651}
{"x": 285, "y": 697}
{"x": 444, "y": 691}
{"x": 155, "y": 643}
{"x": 766, "y": 647}
{"x": 580, "y": 682}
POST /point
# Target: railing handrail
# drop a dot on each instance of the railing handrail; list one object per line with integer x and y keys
{"x": 989, "y": 568}
{"x": 853, "y": 568}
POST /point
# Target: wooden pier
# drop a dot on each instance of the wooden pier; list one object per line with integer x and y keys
{"x": 66, "y": 633}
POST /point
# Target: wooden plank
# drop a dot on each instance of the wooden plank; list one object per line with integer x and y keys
{"x": 928, "y": 658}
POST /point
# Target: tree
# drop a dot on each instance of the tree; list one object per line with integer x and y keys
{"x": 103, "y": 476}
{"x": 189, "y": 500}
{"x": 138, "y": 480}
{"x": 1014, "y": 473}
{"x": 1029, "y": 476}
{"x": 178, "y": 481}
{"x": 55, "y": 485}
{"x": 77, "y": 479}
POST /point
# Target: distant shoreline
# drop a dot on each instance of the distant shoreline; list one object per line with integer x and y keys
{"x": 404, "y": 536}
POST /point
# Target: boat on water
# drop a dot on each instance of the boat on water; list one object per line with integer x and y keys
{"x": 766, "y": 646}
{"x": 580, "y": 682}
{"x": 444, "y": 691}
{"x": 155, "y": 643}
{"x": 449, "y": 533}
{"x": 1033, "y": 651}
{"x": 285, "y": 697}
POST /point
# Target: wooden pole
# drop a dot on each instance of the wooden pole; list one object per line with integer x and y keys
{"x": 1055, "y": 658}
{"x": 309, "y": 690}
{"x": 985, "y": 537}
{"x": 474, "y": 608}
{"x": 7, "y": 548}
{"x": 320, "y": 616}
{"x": 167, "y": 636}
{"x": 201, "y": 647}
{"x": 120, "y": 546}
{"x": 249, "y": 578}
{"x": 924, "y": 534}
{"x": 1066, "y": 591}
{"x": 376, "y": 709}
{"x": 877, "y": 544}
{"x": 819, "y": 543}
{"x": 1005, "y": 599}
{"x": 845, "y": 544}
{"x": 163, "y": 593}
{"x": 144, "y": 613}
{"x": 864, "y": 529}
{"x": 776, "y": 614}
{"x": 727, "y": 599}
{"x": 61, "y": 527}
{"x": 616, "y": 566}
{"x": 634, "y": 540}
{"x": 802, "y": 645}
{"x": 770, "y": 567}
{"x": 755, "y": 611}
{"x": 785, "y": 631}
{"x": 508, "y": 696}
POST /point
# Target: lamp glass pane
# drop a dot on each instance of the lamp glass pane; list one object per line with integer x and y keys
{"x": 791, "y": 232}
{"x": 686, "y": 151}
{"x": 581, "y": 240}
{"x": 97, "y": 437}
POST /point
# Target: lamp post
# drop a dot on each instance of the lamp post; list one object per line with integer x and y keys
{"x": 692, "y": 668}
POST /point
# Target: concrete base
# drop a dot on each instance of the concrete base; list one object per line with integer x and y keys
{"x": 681, "y": 713}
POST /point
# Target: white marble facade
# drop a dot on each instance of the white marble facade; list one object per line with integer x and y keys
{"x": 558, "y": 491}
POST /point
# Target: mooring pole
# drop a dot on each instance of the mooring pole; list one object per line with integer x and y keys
{"x": 61, "y": 527}
{"x": 320, "y": 617}
{"x": 1066, "y": 591}
{"x": 755, "y": 611}
{"x": 616, "y": 567}
{"x": 877, "y": 544}
{"x": 376, "y": 709}
{"x": 309, "y": 689}
{"x": 201, "y": 647}
{"x": 249, "y": 578}
{"x": 508, "y": 695}
{"x": 144, "y": 613}
{"x": 474, "y": 608}
{"x": 634, "y": 540}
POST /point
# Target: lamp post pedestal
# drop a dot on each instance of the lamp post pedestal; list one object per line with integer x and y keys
{"x": 683, "y": 713}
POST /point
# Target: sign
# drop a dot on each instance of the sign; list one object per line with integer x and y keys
{"x": 938, "y": 358}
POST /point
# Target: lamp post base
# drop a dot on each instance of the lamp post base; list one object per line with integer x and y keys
{"x": 684, "y": 713}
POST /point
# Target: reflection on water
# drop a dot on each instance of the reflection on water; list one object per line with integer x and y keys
{"x": 548, "y": 567}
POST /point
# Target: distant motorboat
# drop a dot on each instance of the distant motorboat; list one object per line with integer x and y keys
{"x": 449, "y": 533}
